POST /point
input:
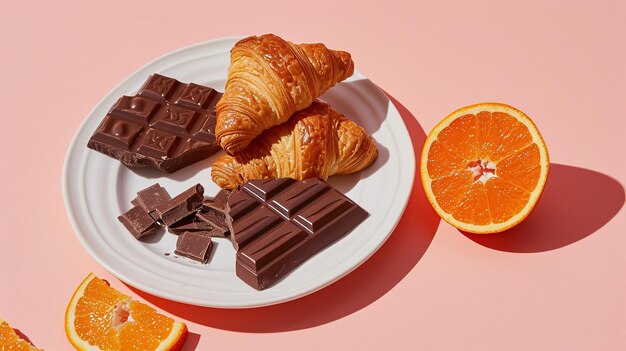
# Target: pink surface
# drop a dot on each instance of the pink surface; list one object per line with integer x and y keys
{"x": 555, "y": 282}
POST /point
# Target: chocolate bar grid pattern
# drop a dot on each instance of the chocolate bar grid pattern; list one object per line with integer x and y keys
{"x": 165, "y": 119}
{"x": 272, "y": 217}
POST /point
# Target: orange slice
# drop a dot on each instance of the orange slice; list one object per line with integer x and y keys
{"x": 101, "y": 318}
{"x": 10, "y": 340}
{"x": 484, "y": 167}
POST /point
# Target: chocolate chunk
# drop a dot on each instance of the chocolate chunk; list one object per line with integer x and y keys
{"x": 181, "y": 206}
{"x": 215, "y": 218}
{"x": 190, "y": 223}
{"x": 151, "y": 197}
{"x": 221, "y": 199}
{"x": 138, "y": 222}
{"x": 168, "y": 125}
{"x": 194, "y": 245}
{"x": 277, "y": 224}
{"x": 218, "y": 232}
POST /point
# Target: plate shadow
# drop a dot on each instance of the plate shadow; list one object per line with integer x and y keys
{"x": 576, "y": 202}
{"x": 360, "y": 288}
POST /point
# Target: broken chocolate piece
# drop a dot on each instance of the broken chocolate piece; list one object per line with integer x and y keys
{"x": 138, "y": 222}
{"x": 151, "y": 197}
{"x": 190, "y": 223}
{"x": 221, "y": 199}
{"x": 276, "y": 224}
{"x": 182, "y": 205}
{"x": 215, "y": 218}
{"x": 194, "y": 245}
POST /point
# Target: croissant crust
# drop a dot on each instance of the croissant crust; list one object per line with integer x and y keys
{"x": 269, "y": 79}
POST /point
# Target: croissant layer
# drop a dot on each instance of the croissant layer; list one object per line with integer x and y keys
{"x": 269, "y": 79}
{"x": 316, "y": 142}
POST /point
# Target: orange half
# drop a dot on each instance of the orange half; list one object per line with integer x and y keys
{"x": 100, "y": 318}
{"x": 484, "y": 167}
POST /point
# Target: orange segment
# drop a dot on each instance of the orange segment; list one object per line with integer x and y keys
{"x": 101, "y": 318}
{"x": 484, "y": 167}
{"x": 10, "y": 340}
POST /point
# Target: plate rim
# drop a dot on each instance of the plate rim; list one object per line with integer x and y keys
{"x": 399, "y": 127}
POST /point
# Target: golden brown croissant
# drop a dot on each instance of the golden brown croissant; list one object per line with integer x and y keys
{"x": 268, "y": 80}
{"x": 315, "y": 142}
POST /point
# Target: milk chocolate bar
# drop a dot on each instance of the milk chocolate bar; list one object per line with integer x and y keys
{"x": 168, "y": 125}
{"x": 276, "y": 224}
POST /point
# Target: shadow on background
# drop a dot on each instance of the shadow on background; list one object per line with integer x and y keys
{"x": 193, "y": 339}
{"x": 575, "y": 203}
{"x": 366, "y": 284}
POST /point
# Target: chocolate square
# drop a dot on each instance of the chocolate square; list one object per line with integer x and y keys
{"x": 138, "y": 222}
{"x": 194, "y": 245}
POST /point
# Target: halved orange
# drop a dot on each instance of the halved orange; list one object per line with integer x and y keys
{"x": 484, "y": 167}
{"x": 101, "y": 318}
{"x": 10, "y": 340}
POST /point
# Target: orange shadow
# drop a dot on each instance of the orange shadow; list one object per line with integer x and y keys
{"x": 366, "y": 284}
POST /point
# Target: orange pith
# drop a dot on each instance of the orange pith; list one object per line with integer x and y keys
{"x": 102, "y": 317}
{"x": 484, "y": 167}
{"x": 10, "y": 340}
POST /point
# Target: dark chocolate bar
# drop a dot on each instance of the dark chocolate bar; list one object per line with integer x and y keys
{"x": 168, "y": 125}
{"x": 194, "y": 245}
{"x": 138, "y": 222}
{"x": 276, "y": 224}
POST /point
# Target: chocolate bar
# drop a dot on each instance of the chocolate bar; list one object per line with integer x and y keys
{"x": 194, "y": 245}
{"x": 276, "y": 224}
{"x": 138, "y": 222}
{"x": 188, "y": 202}
{"x": 168, "y": 125}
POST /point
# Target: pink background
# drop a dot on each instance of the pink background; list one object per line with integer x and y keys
{"x": 555, "y": 282}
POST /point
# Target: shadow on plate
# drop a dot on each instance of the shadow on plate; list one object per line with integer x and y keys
{"x": 576, "y": 203}
{"x": 366, "y": 284}
{"x": 370, "y": 114}
{"x": 346, "y": 182}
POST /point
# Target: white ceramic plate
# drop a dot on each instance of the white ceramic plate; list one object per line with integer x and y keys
{"x": 97, "y": 189}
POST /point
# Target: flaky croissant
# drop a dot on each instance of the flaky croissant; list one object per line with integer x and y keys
{"x": 268, "y": 80}
{"x": 315, "y": 142}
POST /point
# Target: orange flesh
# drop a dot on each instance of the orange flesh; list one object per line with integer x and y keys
{"x": 483, "y": 167}
{"x": 9, "y": 340}
{"x": 109, "y": 320}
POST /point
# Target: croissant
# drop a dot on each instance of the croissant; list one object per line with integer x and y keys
{"x": 268, "y": 80}
{"x": 315, "y": 142}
